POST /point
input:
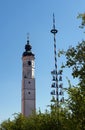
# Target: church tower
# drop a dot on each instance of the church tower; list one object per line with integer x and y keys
{"x": 28, "y": 81}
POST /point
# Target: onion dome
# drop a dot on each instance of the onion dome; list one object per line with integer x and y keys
{"x": 27, "y": 51}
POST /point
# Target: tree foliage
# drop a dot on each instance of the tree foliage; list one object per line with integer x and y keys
{"x": 75, "y": 58}
{"x": 82, "y": 17}
{"x": 38, "y": 121}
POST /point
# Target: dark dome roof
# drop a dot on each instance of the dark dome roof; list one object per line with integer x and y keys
{"x": 28, "y": 50}
{"x": 28, "y": 54}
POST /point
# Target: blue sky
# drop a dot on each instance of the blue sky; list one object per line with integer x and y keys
{"x": 17, "y": 18}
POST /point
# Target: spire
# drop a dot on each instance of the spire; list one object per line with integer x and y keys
{"x": 28, "y": 48}
{"x": 53, "y": 21}
{"x": 54, "y": 31}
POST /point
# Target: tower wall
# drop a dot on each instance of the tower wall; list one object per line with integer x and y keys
{"x": 28, "y": 100}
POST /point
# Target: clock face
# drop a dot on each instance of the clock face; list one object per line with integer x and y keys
{"x": 29, "y": 63}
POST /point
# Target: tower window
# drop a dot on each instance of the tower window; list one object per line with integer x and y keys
{"x": 29, "y": 62}
{"x": 28, "y": 92}
{"x": 25, "y": 76}
{"x": 29, "y": 82}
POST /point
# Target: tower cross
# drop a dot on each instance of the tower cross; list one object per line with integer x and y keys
{"x": 27, "y": 36}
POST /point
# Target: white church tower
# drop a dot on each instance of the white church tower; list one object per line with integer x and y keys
{"x": 28, "y": 81}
